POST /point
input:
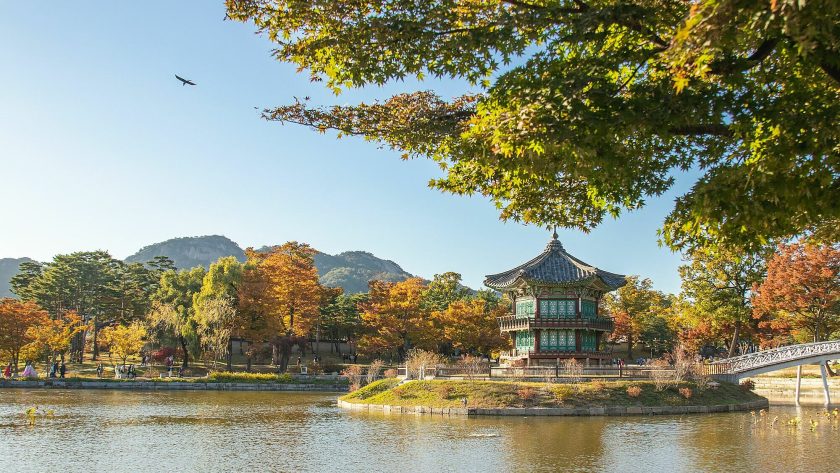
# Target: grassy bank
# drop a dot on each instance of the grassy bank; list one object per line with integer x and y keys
{"x": 494, "y": 395}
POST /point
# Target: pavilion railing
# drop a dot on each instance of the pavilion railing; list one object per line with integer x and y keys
{"x": 512, "y": 322}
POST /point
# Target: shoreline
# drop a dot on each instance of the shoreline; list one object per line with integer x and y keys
{"x": 170, "y": 386}
{"x": 618, "y": 411}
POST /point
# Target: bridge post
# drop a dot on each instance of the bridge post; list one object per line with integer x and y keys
{"x": 825, "y": 384}
{"x": 798, "y": 382}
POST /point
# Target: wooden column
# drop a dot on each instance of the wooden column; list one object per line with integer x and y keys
{"x": 537, "y": 341}
{"x": 536, "y": 308}
{"x": 577, "y": 341}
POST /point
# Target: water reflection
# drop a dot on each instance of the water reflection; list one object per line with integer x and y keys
{"x": 236, "y": 431}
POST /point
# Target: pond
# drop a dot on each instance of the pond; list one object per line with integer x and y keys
{"x": 268, "y": 431}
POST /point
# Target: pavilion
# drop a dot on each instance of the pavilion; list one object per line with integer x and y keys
{"x": 555, "y": 299}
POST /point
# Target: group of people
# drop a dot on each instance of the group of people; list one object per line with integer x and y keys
{"x": 57, "y": 370}
{"x": 29, "y": 371}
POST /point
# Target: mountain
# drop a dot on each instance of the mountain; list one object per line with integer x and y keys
{"x": 8, "y": 268}
{"x": 350, "y": 270}
{"x": 189, "y": 252}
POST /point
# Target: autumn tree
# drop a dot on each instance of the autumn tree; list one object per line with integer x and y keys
{"x": 633, "y": 306}
{"x": 124, "y": 341}
{"x": 470, "y": 325}
{"x": 395, "y": 320}
{"x": 18, "y": 319}
{"x": 801, "y": 294}
{"x": 584, "y": 109}
{"x": 173, "y": 309}
{"x": 719, "y": 283}
{"x": 216, "y": 308}
{"x": 292, "y": 295}
{"x": 54, "y": 336}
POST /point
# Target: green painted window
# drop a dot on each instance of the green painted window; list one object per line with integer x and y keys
{"x": 587, "y": 309}
{"x": 554, "y": 340}
{"x": 587, "y": 340}
{"x": 558, "y": 308}
{"x": 524, "y": 340}
{"x": 525, "y": 308}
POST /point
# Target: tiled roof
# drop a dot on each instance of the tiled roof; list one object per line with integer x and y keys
{"x": 553, "y": 266}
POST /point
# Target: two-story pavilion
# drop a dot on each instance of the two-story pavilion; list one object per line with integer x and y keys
{"x": 555, "y": 307}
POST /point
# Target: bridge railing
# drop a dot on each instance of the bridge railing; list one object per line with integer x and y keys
{"x": 759, "y": 359}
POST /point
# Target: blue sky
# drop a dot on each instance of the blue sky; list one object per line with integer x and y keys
{"x": 101, "y": 148}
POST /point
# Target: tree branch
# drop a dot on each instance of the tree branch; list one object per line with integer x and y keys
{"x": 760, "y": 54}
{"x": 714, "y": 129}
{"x": 831, "y": 70}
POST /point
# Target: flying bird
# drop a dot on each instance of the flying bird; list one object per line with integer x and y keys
{"x": 184, "y": 81}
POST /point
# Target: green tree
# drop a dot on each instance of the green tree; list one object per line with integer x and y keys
{"x": 86, "y": 282}
{"x": 634, "y": 308}
{"x": 720, "y": 284}
{"x": 173, "y": 308}
{"x": 216, "y": 307}
{"x": 582, "y": 109}
{"x": 443, "y": 290}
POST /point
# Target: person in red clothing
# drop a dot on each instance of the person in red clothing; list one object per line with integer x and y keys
{"x": 7, "y": 373}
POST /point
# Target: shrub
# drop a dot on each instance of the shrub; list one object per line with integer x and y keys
{"x": 332, "y": 368}
{"x": 398, "y": 392}
{"x": 747, "y": 385}
{"x": 526, "y": 393}
{"x": 443, "y": 390}
{"x": 661, "y": 374}
{"x": 634, "y": 391}
{"x": 354, "y": 387}
{"x": 390, "y": 373}
{"x": 573, "y": 369}
{"x": 314, "y": 367}
{"x": 421, "y": 360}
{"x": 354, "y": 375}
{"x": 598, "y": 385}
{"x": 473, "y": 366}
{"x": 686, "y": 392}
{"x": 373, "y": 370}
{"x": 230, "y": 377}
{"x": 161, "y": 354}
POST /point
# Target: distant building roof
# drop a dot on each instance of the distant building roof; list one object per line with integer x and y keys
{"x": 553, "y": 267}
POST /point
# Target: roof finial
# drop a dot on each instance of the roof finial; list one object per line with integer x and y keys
{"x": 554, "y": 235}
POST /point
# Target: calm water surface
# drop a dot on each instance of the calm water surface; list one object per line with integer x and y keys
{"x": 245, "y": 431}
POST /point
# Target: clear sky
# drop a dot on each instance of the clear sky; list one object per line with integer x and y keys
{"x": 102, "y": 148}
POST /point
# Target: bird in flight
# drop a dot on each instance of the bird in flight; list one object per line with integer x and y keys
{"x": 184, "y": 81}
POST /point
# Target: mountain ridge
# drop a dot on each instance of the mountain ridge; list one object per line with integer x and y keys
{"x": 350, "y": 270}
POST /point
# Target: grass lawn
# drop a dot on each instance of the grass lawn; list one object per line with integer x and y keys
{"x": 492, "y": 394}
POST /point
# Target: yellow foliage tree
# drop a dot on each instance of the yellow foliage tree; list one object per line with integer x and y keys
{"x": 55, "y": 335}
{"x": 124, "y": 340}
{"x": 470, "y": 326}
{"x": 395, "y": 320}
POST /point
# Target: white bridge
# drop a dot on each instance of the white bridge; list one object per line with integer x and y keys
{"x": 753, "y": 364}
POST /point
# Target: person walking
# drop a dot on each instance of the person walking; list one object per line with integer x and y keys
{"x": 100, "y": 370}
{"x": 62, "y": 370}
{"x": 53, "y": 369}
{"x": 7, "y": 373}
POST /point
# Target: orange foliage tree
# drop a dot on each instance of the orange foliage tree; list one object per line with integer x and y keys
{"x": 290, "y": 296}
{"x": 54, "y": 336}
{"x": 18, "y": 320}
{"x": 470, "y": 326}
{"x": 395, "y": 320}
{"x": 801, "y": 294}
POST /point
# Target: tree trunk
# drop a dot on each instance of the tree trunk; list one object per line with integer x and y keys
{"x": 248, "y": 364}
{"x": 284, "y": 358}
{"x": 830, "y": 371}
{"x": 95, "y": 339}
{"x": 630, "y": 348}
{"x": 183, "y": 341}
{"x": 230, "y": 355}
{"x": 735, "y": 336}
